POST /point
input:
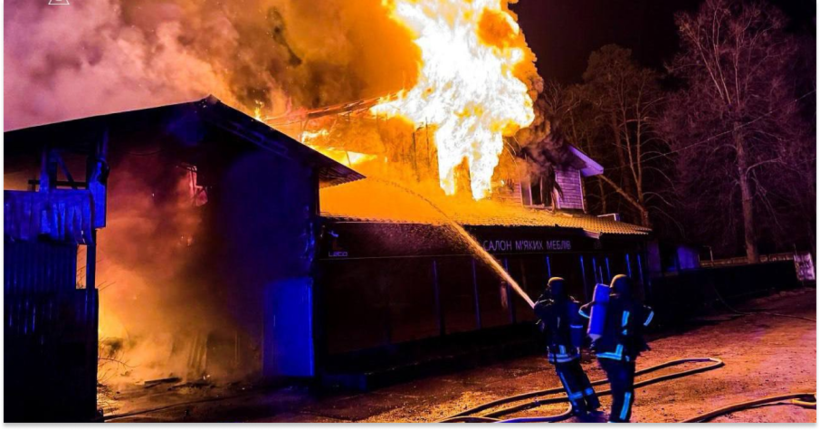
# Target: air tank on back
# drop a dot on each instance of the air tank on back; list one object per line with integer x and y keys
{"x": 597, "y": 316}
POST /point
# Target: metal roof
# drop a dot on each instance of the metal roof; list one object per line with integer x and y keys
{"x": 530, "y": 218}
{"x": 372, "y": 202}
{"x": 181, "y": 120}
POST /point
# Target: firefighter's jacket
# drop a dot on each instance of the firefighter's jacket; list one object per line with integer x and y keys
{"x": 622, "y": 338}
{"x": 562, "y": 326}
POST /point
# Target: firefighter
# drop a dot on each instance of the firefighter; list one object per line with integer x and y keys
{"x": 563, "y": 328}
{"x": 620, "y": 343}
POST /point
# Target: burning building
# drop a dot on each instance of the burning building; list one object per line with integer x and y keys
{"x": 394, "y": 279}
{"x": 208, "y": 211}
{"x": 232, "y": 250}
{"x": 241, "y": 245}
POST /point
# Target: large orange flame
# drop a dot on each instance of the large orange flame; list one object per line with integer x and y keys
{"x": 466, "y": 86}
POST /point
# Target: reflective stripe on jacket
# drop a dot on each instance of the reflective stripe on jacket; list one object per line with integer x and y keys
{"x": 622, "y": 338}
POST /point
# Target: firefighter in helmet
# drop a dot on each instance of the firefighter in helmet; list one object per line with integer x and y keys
{"x": 620, "y": 343}
{"x": 563, "y": 328}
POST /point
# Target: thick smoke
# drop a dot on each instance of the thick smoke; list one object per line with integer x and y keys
{"x": 74, "y": 61}
{"x": 153, "y": 313}
{"x": 273, "y": 55}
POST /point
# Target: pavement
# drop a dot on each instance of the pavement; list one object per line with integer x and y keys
{"x": 765, "y": 355}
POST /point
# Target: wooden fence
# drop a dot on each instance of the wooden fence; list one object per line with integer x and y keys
{"x": 50, "y": 328}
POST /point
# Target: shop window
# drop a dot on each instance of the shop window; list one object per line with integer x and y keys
{"x": 568, "y": 266}
{"x": 411, "y": 293}
{"x": 493, "y": 298}
{"x": 458, "y": 301}
{"x": 530, "y": 271}
{"x": 355, "y": 311}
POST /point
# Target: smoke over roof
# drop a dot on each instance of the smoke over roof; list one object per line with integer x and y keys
{"x": 274, "y": 55}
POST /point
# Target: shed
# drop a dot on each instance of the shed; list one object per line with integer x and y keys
{"x": 255, "y": 210}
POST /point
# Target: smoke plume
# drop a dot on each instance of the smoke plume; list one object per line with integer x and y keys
{"x": 269, "y": 55}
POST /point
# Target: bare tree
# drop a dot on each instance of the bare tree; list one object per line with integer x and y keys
{"x": 735, "y": 121}
{"x": 584, "y": 130}
{"x": 611, "y": 116}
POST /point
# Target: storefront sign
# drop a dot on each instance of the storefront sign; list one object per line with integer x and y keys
{"x": 526, "y": 245}
{"x": 373, "y": 240}
{"x": 804, "y": 266}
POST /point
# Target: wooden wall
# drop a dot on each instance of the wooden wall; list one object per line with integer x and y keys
{"x": 573, "y": 194}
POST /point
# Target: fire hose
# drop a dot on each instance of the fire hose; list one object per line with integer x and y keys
{"x": 807, "y": 400}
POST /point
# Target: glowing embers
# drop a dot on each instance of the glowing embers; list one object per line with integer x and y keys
{"x": 466, "y": 87}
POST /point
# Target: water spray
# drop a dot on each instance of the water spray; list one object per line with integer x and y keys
{"x": 468, "y": 239}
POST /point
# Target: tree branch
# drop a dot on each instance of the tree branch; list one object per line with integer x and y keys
{"x": 631, "y": 200}
{"x": 654, "y": 194}
{"x": 773, "y": 160}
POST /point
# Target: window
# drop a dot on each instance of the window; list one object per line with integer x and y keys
{"x": 457, "y": 289}
{"x": 537, "y": 193}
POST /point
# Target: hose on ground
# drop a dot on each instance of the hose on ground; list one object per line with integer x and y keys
{"x": 469, "y": 416}
{"x": 806, "y": 400}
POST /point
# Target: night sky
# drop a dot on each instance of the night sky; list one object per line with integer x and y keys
{"x": 563, "y": 33}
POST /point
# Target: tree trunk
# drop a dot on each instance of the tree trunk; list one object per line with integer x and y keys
{"x": 645, "y": 218}
{"x": 746, "y": 197}
{"x": 619, "y": 146}
{"x": 631, "y": 200}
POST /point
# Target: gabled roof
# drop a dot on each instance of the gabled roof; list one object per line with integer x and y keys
{"x": 180, "y": 119}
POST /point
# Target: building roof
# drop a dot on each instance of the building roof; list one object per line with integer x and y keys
{"x": 591, "y": 225}
{"x": 590, "y": 167}
{"x": 373, "y": 200}
{"x": 183, "y": 121}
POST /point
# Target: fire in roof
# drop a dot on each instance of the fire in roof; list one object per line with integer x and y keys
{"x": 183, "y": 121}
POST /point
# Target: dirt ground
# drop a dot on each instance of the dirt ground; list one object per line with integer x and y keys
{"x": 764, "y": 355}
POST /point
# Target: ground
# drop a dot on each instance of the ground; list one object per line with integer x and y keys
{"x": 764, "y": 354}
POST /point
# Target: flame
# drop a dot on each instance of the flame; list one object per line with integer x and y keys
{"x": 257, "y": 110}
{"x": 311, "y": 135}
{"x": 348, "y": 158}
{"x": 343, "y": 156}
{"x": 466, "y": 86}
